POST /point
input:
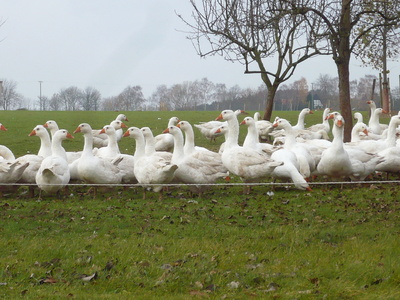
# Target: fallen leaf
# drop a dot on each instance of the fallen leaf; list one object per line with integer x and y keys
{"x": 89, "y": 278}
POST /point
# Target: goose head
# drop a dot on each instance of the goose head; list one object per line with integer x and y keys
{"x": 247, "y": 121}
{"x": 122, "y": 117}
{"x": 39, "y": 130}
{"x": 85, "y": 128}
{"x": 62, "y": 134}
{"x": 226, "y": 115}
{"x": 133, "y": 132}
{"x": 108, "y": 129}
{"x": 118, "y": 124}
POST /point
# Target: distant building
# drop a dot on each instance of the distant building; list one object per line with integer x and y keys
{"x": 318, "y": 104}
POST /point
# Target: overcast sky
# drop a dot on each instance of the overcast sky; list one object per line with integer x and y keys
{"x": 112, "y": 44}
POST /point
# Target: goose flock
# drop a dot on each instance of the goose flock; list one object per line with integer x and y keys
{"x": 297, "y": 154}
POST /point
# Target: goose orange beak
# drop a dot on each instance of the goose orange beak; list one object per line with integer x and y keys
{"x": 339, "y": 123}
{"x": 102, "y": 131}
{"x": 33, "y": 132}
{"x": 218, "y": 130}
{"x": 166, "y": 130}
{"x": 365, "y": 131}
{"x": 243, "y": 122}
{"x": 77, "y": 130}
{"x": 69, "y": 136}
{"x": 123, "y": 125}
{"x": 126, "y": 133}
{"x": 219, "y": 117}
{"x": 3, "y": 128}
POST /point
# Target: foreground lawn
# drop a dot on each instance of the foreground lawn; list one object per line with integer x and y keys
{"x": 330, "y": 243}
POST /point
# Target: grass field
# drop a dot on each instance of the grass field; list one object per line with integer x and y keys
{"x": 277, "y": 242}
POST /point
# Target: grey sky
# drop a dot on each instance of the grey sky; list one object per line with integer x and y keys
{"x": 112, "y": 44}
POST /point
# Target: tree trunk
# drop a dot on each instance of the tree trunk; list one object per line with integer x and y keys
{"x": 342, "y": 60}
{"x": 344, "y": 98}
{"x": 270, "y": 102}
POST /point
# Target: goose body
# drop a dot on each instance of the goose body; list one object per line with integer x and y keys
{"x": 252, "y": 137}
{"x": 209, "y": 129}
{"x": 301, "y": 119}
{"x": 249, "y": 164}
{"x": 53, "y": 173}
{"x": 307, "y": 162}
{"x": 112, "y": 152}
{"x": 150, "y": 169}
{"x": 101, "y": 140}
{"x": 165, "y": 142}
{"x": 52, "y": 126}
{"x": 264, "y": 127}
{"x": 35, "y": 161}
{"x": 94, "y": 169}
{"x": 191, "y": 169}
{"x": 325, "y": 123}
{"x": 112, "y": 148}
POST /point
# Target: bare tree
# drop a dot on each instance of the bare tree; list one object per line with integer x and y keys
{"x": 71, "y": 98}
{"x": 90, "y": 99}
{"x": 346, "y": 23}
{"x": 131, "y": 98}
{"x": 251, "y": 32}
{"x": 327, "y": 88}
{"x": 159, "y": 99}
{"x": 55, "y": 102}
{"x": 109, "y": 104}
{"x": 206, "y": 91}
{"x": 9, "y": 98}
{"x": 183, "y": 96}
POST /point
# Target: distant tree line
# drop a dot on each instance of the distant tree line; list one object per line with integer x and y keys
{"x": 202, "y": 95}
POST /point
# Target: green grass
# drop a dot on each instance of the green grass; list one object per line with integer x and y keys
{"x": 330, "y": 243}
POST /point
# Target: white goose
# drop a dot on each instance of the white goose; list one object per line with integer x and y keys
{"x": 101, "y": 140}
{"x": 325, "y": 123}
{"x": 53, "y": 173}
{"x": 375, "y": 146}
{"x": 6, "y": 154}
{"x": 339, "y": 161}
{"x": 208, "y": 129}
{"x": 307, "y": 162}
{"x": 249, "y": 164}
{"x": 29, "y": 175}
{"x": 10, "y": 170}
{"x": 301, "y": 118}
{"x": 359, "y": 117}
{"x": 149, "y": 169}
{"x": 112, "y": 152}
{"x": 252, "y": 140}
{"x": 52, "y": 126}
{"x": 358, "y": 129}
{"x": 165, "y": 142}
{"x": 199, "y": 152}
{"x": 94, "y": 169}
{"x": 374, "y": 125}
{"x": 191, "y": 169}
{"x": 335, "y": 161}
{"x": 290, "y": 169}
{"x": 264, "y": 127}
{"x": 150, "y": 145}
{"x": 112, "y": 148}
{"x": 391, "y": 154}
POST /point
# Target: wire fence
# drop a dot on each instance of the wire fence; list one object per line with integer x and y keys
{"x": 226, "y": 184}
